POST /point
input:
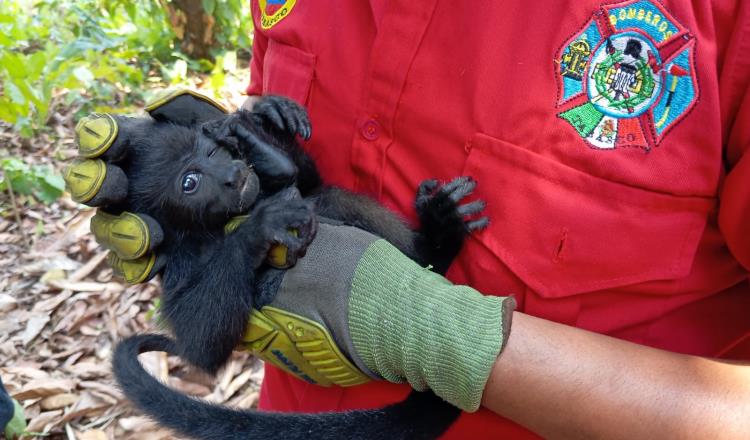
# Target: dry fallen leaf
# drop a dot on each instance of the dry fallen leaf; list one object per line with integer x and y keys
{"x": 52, "y": 275}
{"x": 34, "y": 326}
{"x": 58, "y": 401}
{"x": 40, "y": 422}
{"x": 237, "y": 383}
{"x": 43, "y": 388}
{"x": 136, "y": 423}
{"x": 52, "y": 302}
{"x": 62, "y": 312}
{"x": 7, "y": 302}
{"x": 93, "y": 434}
{"x": 86, "y": 405}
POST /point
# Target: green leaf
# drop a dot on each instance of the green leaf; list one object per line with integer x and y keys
{"x": 50, "y": 186}
{"x": 230, "y": 61}
{"x": 209, "y": 6}
{"x": 8, "y": 110}
{"x": 14, "y": 64}
{"x": 84, "y": 75}
{"x": 130, "y": 9}
{"x": 5, "y": 41}
{"x": 14, "y": 93}
{"x": 17, "y": 425}
{"x": 35, "y": 64}
{"x": 179, "y": 71}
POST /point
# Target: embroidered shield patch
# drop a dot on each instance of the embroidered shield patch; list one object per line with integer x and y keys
{"x": 273, "y": 11}
{"x": 627, "y": 77}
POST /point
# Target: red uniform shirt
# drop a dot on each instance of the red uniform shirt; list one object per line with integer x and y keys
{"x": 608, "y": 140}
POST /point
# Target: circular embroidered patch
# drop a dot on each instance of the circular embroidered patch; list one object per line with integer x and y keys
{"x": 623, "y": 79}
{"x": 627, "y": 77}
{"x": 273, "y": 11}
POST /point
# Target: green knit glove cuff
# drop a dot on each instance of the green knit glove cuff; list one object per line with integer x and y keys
{"x": 410, "y": 324}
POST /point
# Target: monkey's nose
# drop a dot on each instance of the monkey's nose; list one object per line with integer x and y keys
{"x": 236, "y": 175}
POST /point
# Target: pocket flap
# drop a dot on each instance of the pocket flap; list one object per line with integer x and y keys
{"x": 287, "y": 71}
{"x": 565, "y": 232}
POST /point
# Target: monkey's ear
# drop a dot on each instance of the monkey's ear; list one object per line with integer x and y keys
{"x": 185, "y": 107}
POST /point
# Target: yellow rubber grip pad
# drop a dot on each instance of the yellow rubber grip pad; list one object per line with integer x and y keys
{"x": 299, "y": 346}
{"x": 126, "y": 234}
{"x": 276, "y": 255}
{"x": 170, "y": 94}
{"x": 133, "y": 271}
{"x": 84, "y": 178}
{"x": 96, "y": 133}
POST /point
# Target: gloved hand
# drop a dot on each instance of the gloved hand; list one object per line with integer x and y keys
{"x": 98, "y": 180}
{"x": 355, "y": 308}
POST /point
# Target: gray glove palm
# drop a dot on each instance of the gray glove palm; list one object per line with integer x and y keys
{"x": 391, "y": 318}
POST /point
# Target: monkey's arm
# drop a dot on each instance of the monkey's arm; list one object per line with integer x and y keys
{"x": 209, "y": 291}
{"x": 445, "y": 222}
{"x": 207, "y": 299}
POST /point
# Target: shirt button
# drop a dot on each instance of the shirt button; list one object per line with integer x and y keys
{"x": 370, "y": 130}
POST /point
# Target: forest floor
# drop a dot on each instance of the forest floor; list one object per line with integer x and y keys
{"x": 62, "y": 311}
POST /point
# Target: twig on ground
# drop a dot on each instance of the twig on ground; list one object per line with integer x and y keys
{"x": 17, "y": 214}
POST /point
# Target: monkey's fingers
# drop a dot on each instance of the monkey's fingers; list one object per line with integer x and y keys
{"x": 459, "y": 188}
{"x": 478, "y": 224}
{"x": 472, "y": 208}
{"x": 130, "y": 236}
{"x": 267, "y": 109}
{"x": 274, "y": 168}
{"x": 291, "y": 111}
{"x": 445, "y": 198}
{"x": 285, "y": 114}
{"x": 427, "y": 187}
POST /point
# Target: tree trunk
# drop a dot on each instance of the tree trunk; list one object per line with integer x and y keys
{"x": 193, "y": 27}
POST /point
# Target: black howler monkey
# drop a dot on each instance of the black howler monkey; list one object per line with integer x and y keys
{"x": 192, "y": 176}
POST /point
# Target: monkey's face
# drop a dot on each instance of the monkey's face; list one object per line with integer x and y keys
{"x": 210, "y": 181}
{"x": 187, "y": 180}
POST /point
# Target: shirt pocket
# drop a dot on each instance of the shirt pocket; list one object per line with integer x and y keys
{"x": 565, "y": 232}
{"x": 288, "y": 71}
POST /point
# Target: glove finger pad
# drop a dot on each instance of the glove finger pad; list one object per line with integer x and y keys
{"x": 128, "y": 235}
{"x": 95, "y": 183}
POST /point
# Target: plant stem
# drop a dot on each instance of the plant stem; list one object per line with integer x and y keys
{"x": 17, "y": 214}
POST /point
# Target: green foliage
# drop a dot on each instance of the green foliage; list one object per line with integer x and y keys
{"x": 234, "y": 23}
{"x": 93, "y": 47}
{"x": 42, "y": 182}
{"x": 96, "y": 55}
{"x": 17, "y": 425}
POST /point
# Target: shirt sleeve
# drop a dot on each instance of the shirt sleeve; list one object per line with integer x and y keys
{"x": 734, "y": 203}
{"x": 260, "y": 43}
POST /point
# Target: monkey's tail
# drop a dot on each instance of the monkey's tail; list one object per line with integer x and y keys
{"x": 420, "y": 416}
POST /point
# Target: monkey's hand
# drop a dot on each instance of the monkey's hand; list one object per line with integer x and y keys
{"x": 284, "y": 114}
{"x": 281, "y": 226}
{"x": 445, "y": 220}
{"x": 355, "y": 308}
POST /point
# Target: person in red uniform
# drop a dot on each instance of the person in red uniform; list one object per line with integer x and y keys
{"x": 608, "y": 139}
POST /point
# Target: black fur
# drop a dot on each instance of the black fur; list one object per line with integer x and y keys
{"x": 6, "y": 407}
{"x": 210, "y": 279}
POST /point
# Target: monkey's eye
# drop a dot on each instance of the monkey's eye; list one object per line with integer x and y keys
{"x": 190, "y": 182}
